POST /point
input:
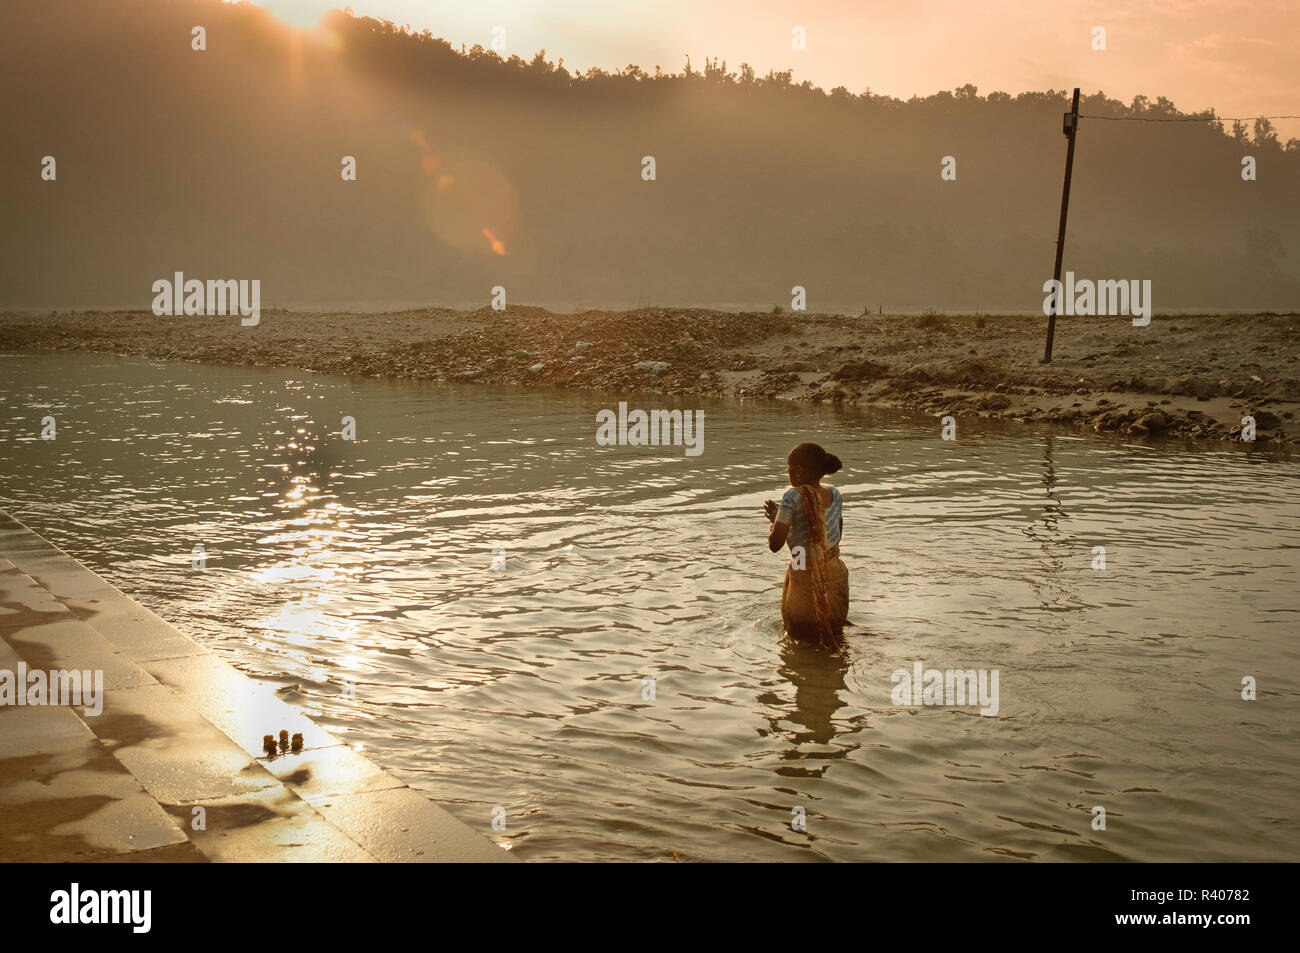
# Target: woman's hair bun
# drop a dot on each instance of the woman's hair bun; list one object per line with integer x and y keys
{"x": 812, "y": 456}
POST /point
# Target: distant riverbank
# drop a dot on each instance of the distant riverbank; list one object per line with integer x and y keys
{"x": 1193, "y": 376}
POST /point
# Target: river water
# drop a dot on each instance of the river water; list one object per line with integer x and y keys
{"x": 619, "y": 684}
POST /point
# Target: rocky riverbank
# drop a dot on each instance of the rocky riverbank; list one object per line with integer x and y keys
{"x": 1194, "y": 376}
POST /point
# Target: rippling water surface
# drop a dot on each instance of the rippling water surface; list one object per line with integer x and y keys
{"x": 524, "y": 687}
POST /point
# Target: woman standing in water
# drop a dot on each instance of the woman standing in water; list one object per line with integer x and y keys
{"x": 815, "y": 599}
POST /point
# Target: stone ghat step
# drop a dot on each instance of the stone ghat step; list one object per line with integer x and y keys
{"x": 172, "y": 768}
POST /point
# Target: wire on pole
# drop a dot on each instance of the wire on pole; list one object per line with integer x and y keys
{"x": 1182, "y": 118}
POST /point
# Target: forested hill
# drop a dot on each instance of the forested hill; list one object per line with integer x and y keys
{"x": 474, "y": 171}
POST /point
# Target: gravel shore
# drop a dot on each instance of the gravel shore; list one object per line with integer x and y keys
{"x": 1190, "y": 376}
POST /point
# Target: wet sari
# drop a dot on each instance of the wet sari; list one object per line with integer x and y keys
{"x": 815, "y": 598}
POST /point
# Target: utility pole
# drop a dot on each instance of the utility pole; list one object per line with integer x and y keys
{"x": 1070, "y": 127}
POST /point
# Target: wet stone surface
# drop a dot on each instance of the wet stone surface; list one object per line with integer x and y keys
{"x": 160, "y": 762}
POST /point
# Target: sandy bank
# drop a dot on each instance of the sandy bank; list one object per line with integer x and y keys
{"x": 1189, "y": 376}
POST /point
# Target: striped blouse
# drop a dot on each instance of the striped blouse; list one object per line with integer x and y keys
{"x": 791, "y": 513}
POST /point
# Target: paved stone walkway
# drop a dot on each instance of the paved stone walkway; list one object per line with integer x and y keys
{"x": 180, "y": 729}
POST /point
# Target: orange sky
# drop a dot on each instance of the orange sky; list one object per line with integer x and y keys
{"x": 1229, "y": 54}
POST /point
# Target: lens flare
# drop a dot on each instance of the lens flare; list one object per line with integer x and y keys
{"x": 460, "y": 194}
{"x": 498, "y": 247}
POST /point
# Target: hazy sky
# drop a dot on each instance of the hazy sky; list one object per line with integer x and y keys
{"x": 1238, "y": 56}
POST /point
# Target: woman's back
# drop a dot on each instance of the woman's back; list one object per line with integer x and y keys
{"x": 815, "y": 596}
{"x": 791, "y": 512}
